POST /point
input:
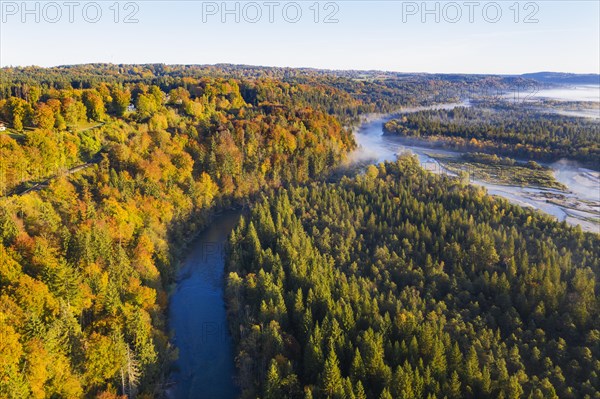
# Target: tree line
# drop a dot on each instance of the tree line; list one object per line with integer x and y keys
{"x": 511, "y": 131}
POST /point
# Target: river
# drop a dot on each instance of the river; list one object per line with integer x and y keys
{"x": 197, "y": 314}
{"x": 205, "y": 368}
{"x": 561, "y": 96}
{"x": 579, "y": 205}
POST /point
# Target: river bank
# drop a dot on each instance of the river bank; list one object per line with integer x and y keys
{"x": 578, "y": 205}
{"x": 197, "y": 314}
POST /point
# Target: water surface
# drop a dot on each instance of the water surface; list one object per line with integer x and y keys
{"x": 205, "y": 368}
{"x": 579, "y": 205}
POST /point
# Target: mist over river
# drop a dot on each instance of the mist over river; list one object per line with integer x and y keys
{"x": 579, "y": 205}
{"x": 579, "y": 101}
{"x": 589, "y": 93}
{"x": 197, "y": 314}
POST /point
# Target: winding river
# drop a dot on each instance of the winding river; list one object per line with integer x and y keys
{"x": 578, "y": 205}
{"x": 197, "y": 315}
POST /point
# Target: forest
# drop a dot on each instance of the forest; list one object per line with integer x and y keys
{"x": 514, "y": 131}
{"x": 85, "y": 261}
{"x": 108, "y": 171}
{"x": 372, "y": 91}
{"x": 399, "y": 283}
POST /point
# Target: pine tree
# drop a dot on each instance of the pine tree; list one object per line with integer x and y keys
{"x": 359, "y": 391}
{"x": 348, "y": 391}
{"x": 486, "y": 381}
{"x": 357, "y": 368}
{"x": 332, "y": 378}
{"x": 385, "y": 394}
{"x": 454, "y": 386}
{"x": 253, "y": 246}
{"x": 313, "y": 357}
{"x": 272, "y": 386}
{"x": 514, "y": 388}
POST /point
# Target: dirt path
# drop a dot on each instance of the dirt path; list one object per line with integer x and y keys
{"x": 43, "y": 184}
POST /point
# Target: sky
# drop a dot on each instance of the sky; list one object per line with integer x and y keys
{"x": 502, "y": 37}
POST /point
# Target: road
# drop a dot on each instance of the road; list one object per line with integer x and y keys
{"x": 41, "y": 185}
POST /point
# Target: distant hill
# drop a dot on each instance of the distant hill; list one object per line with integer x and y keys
{"x": 564, "y": 78}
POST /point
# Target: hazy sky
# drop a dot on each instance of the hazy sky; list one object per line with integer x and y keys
{"x": 485, "y": 37}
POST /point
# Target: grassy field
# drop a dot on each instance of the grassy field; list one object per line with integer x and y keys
{"x": 13, "y": 133}
{"x": 83, "y": 126}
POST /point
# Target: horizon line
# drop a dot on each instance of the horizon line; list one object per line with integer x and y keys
{"x": 300, "y": 68}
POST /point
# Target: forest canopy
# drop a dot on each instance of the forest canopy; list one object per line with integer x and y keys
{"x": 395, "y": 283}
{"x": 100, "y": 189}
{"x": 403, "y": 284}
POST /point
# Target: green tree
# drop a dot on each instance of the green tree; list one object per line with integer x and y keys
{"x": 332, "y": 378}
